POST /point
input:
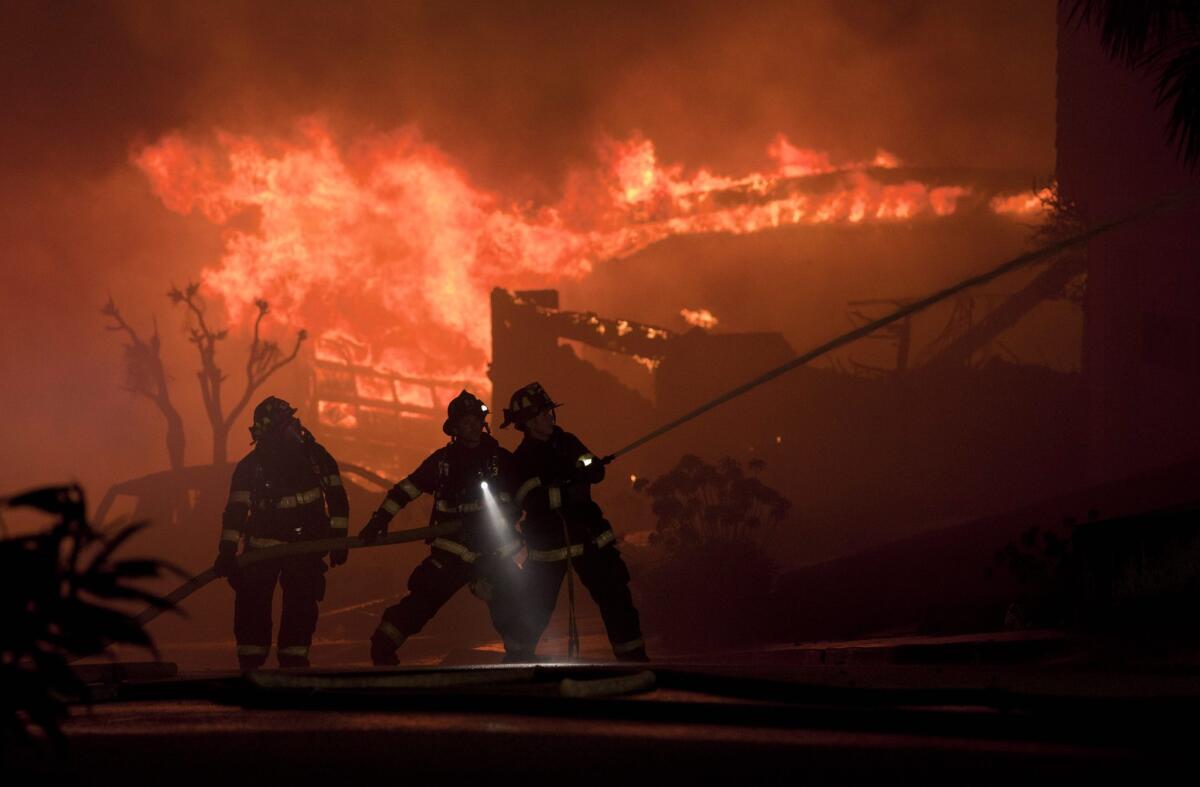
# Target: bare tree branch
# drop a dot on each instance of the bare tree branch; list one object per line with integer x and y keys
{"x": 146, "y": 376}
{"x": 262, "y": 361}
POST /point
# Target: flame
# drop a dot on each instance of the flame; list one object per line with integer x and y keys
{"x": 1025, "y": 203}
{"x": 701, "y": 318}
{"x": 385, "y": 247}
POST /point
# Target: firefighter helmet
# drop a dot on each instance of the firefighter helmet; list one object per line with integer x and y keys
{"x": 271, "y": 415}
{"x": 465, "y": 403}
{"x": 527, "y": 402}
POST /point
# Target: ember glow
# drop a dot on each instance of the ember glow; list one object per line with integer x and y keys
{"x": 384, "y": 244}
{"x": 1028, "y": 203}
{"x": 701, "y": 318}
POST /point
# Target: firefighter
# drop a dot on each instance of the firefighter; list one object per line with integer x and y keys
{"x": 563, "y": 527}
{"x": 287, "y": 489}
{"x": 478, "y": 552}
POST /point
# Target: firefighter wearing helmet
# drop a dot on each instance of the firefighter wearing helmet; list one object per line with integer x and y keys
{"x": 478, "y": 552}
{"x": 286, "y": 489}
{"x": 563, "y": 527}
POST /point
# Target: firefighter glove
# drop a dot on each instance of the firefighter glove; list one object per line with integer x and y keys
{"x": 226, "y": 564}
{"x": 376, "y": 528}
{"x": 338, "y": 556}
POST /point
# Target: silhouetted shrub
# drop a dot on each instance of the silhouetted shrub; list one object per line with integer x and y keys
{"x": 53, "y": 592}
{"x": 711, "y": 585}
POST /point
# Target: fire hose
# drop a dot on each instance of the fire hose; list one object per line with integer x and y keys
{"x": 250, "y": 557}
{"x": 420, "y": 534}
{"x": 1016, "y": 263}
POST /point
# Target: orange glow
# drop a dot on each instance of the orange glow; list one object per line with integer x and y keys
{"x": 386, "y": 252}
{"x": 1025, "y": 204}
{"x": 701, "y": 318}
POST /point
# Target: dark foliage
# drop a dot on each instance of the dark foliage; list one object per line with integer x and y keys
{"x": 1045, "y": 565}
{"x": 1162, "y": 39}
{"x": 698, "y": 503}
{"x": 55, "y": 591}
{"x": 712, "y": 585}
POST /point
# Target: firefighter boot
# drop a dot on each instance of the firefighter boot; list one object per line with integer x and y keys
{"x": 384, "y": 646}
{"x": 251, "y": 663}
{"x": 293, "y": 657}
{"x": 634, "y": 650}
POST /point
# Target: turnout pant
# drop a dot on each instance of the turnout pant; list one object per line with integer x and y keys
{"x": 606, "y": 577}
{"x": 302, "y": 578}
{"x": 495, "y": 580}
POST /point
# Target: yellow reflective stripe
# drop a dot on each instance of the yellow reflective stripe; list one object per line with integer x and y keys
{"x": 332, "y": 480}
{"x": 294, "y": 650}
{"x": 626, "y": 647}
{"x": 554, "y": 555}
{"x": 229, "y": 534}
{"x": 253, "y": 650}
{"x": 526, "y": 488}
{"x": 509, "y": 549}
{"x": 392, "y": 633}
{"x": 339, "y": 522}
{"x": 410, "y": 489}
{"x": 555, "y": 493}
{"x": 574, "y": 550}
{"x": 585, "y": 459}
{"x": 300, "y": 499}
{"x": 456, "y": 548}
{"x": 263, "y": 543}
{"x": 465, "y": 508}
{"x": 239, "y": 497}
{"x": 391, "y": 506}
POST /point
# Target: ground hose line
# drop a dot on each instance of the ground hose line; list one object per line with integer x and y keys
{"x": 251, "y": 557}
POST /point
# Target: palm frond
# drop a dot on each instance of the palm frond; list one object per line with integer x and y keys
{"x": 1178, "y": 89}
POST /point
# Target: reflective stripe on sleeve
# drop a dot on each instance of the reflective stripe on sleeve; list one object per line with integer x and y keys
{"x": 585, "y": 459}
{"x": 332, "y": 480}
{"x": 391, "y": 506}
{"x": 410, "y": 489}
{"x": 339, "y": 522}
{"x": 526, "y": 488}
{"x": 555, "y": 497}
{"x": 240, "y": 496}
{"x": 253, "y": 650}
{"x": 229, "y": 534}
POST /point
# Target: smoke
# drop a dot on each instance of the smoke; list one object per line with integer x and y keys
{"x": 515, "y": 94}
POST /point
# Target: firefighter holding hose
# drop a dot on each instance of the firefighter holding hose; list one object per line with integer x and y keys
{"x": 565, "y": 530}
{"x": 471, "y": 482}
{"x": 287, "y": 489}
